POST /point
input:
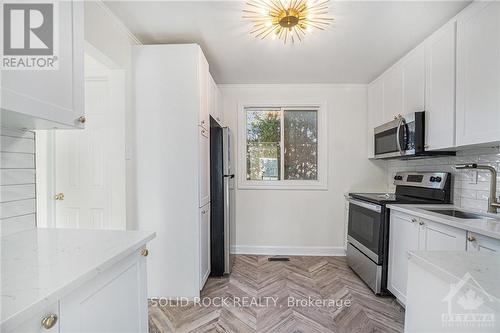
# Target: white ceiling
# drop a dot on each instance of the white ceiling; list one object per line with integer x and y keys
{"x": 365, "y": 38}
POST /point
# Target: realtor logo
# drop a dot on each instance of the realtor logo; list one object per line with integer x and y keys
{"x": 29, "y": 38}
{"x": 468, "y": 305}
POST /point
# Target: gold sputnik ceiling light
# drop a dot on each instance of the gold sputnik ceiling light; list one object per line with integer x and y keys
{"x": 286, "y": 19}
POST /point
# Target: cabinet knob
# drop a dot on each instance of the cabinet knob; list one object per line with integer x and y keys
{"x": 413, "y": 220}
{"x": 144, "y": 252}
{"x": 82, "y": 120}
{"x": 471, "y": 238}
{"x": 49, "y": 321}
{"x": 59, "y": 196}
{"x": 421, "y": 223}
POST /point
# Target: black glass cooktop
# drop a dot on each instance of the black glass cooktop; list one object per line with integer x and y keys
{"x": 388, "y": 198}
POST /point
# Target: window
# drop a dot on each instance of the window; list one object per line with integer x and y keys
{"x": 282, "y": 147}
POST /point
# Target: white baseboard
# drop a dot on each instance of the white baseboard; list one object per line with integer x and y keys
{"x": 289, "y": 250}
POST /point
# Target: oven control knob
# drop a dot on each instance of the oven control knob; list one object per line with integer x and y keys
{"x": 438, "y": 179}
{"x": 433, "y": 179}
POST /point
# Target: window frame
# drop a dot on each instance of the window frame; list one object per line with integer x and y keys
{"x": 320, "y": 184}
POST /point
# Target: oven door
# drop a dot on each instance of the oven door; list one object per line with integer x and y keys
{"x": 365, "y": 228}
{"x": 396, "y": 138}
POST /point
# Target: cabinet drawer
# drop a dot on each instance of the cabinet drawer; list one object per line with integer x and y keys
{"x": 482, "y": 243}
{"x": 34, "y": 324}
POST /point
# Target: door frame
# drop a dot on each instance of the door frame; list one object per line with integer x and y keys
{"x": 45, "y": 147}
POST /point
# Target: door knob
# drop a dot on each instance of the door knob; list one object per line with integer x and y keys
{"x": 59, "y": 196}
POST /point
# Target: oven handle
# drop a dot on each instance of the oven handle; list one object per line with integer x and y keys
{"x": 398, "y": 143}
{"x": 370, "y": 206}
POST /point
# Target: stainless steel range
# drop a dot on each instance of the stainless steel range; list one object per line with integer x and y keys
{"x": 368, "y": 225}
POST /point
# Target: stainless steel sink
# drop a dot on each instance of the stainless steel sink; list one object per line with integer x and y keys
{"x": 458, "y": 214}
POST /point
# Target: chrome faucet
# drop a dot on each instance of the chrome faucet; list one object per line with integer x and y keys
{"x": 493, "y": 203}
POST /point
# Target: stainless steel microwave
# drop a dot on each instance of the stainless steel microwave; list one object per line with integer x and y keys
{"x": 404, "y": 137}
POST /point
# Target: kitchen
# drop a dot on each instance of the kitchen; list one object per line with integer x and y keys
{"x": 310, "y": 177}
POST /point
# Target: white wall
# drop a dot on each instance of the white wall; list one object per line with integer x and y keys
{"x": 297, "y": 221}
{"x": 104, "y": 32}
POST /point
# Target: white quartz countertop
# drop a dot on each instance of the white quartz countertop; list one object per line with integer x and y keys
{"x": 453, "y": 266}
{"x": 40, "y": 266}
{"x": 485, "y": 226}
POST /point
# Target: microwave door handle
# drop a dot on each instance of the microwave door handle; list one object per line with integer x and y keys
{"x": 398, "y": 142}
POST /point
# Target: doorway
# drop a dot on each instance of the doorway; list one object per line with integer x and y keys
{"x": 81, "y": 173}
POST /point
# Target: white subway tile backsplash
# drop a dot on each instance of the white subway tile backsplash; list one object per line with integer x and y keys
{"x": 470, "y": 188}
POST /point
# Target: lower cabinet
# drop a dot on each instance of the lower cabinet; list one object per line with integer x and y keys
{"x": 114, "y": 301}
{"x": 439, "y": 237}
{"x": 403, "y": 237}
{"x": 482, "y": 243}
{"x": 407, "y": 233}
{"x": 204, "y": 221}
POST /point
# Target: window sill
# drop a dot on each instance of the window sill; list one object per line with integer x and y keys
{"x": 288, "y": 185}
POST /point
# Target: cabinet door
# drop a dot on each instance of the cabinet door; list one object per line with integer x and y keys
{"x": 478, "y": 74}
{"x": 393, "y": 93}
{"x": 204, "y": 82}
{"x": 115, "y": 301}
{"x": 204, "y": 244}
{"x": 413, "y": 68}
{"x": 42, "y": 99}
{"x": 403, "y": 237}
{"x": 375, "y": 111}
{"x": 204, "y": 167}
{"x": 440, "y": 53}
{"x": 218, "y": 104}
{"x": 439, "y": 237}
{"x": 482, "y": 243}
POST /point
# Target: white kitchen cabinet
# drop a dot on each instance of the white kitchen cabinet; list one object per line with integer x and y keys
{"x": 440, "y": 52}
{"x": 204, "y": 167}
{"x": 171, "y": 101}
{"x": 34, "y": 324}
{"x": 478, "y": 74}
{"x": 205, "y": 94}
{"x": 410, "y": 233}
{"x": 439, "y": 237}
{"x": 393, "y": 93}
{"x": 219, "y": 106}
{"x": 403, "y": 237}
{"x": 476, "y": 242}
{"x": 413, "y": 71}
{"x": 43, "y": 99}
{"x": 375, "y": 111}
{"x": 204, "y": 244}
{"x": 115, "y": 301}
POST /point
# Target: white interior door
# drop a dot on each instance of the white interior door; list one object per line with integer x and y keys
{"x": 89, "y": 164}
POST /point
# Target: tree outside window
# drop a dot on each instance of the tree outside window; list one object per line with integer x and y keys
{"x": 281, "y": 144}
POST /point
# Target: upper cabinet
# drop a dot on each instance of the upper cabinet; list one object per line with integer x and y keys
{"x": 392, "y": 93}
{"x": 440, "y": 88}
{"x": 413, "y": 76}
{"x": 205, "y": 95}
{"x": 478, "y": 74}
{"x": 454, "y": 76}
{"x": 41, "y": 99}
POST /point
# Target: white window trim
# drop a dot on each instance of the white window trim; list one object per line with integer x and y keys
{"x": 320, "y": 184}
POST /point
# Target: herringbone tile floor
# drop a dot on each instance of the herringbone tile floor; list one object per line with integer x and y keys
{"x": 275, "y": 288}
